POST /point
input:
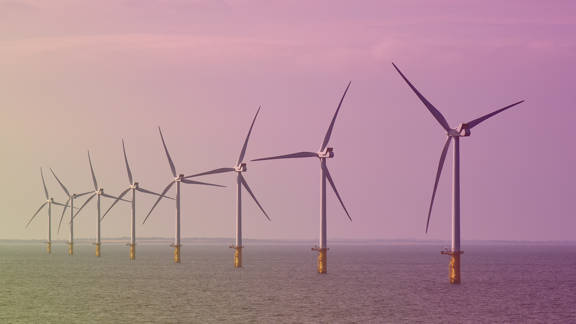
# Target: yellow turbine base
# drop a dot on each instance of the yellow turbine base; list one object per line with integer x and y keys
{"x": 454, "y": 268}
{"x": 49, "y": 247}
{"x": 322, "y": 260}
{"x": 177, "y": 254}
{"x": 70, "y": 248}
{"x": 237, "y": 257}
{"x": 132, "y": 251}
{"x": 97, "y": 249}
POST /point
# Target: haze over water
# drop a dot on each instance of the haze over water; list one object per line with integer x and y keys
{"x": 365, "y": 283}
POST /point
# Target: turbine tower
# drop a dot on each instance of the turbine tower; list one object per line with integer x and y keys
{"x": 323, "y": 153}
{"x": 178, "y": 179}
{"x": 98, "y": 192}
{"x": 239, "y": 167}
{"x": 70, "y": 200}
{"x": 49, "y": 201}
{"x": 453, "y": 133}
{"x": 133, "y": 187}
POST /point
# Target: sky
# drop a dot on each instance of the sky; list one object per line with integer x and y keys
{"x": 79, "y": 75}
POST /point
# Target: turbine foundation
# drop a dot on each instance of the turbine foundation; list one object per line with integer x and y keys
{"x": 49, "y": 247}
{"x": 97, "y": 249}
{"x": 237, "y": 256}
{"x": 177, "y": 253}
{"x": 70, "y": 248}
{"x": 454, "y": 268}
{"x": 322, "y": 260}
{"x": 132, "y": 251}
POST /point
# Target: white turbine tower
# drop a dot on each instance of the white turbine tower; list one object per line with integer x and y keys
{"x": 453, "y": 133}
{"x": 239, "y": 167}
{"x": 49, "y": 201}
{"x": 133, "y": 187}
{"x": 70, "y": 200}
{"x": 324, "y": 153}
{"x": 98, "y": 192}
{"x": 178, "y": 179}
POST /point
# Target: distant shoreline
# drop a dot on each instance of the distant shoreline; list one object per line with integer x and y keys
{"x": 227, "y": 241}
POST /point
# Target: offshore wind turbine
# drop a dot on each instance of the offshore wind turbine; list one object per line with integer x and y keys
{"x": 71, "y": 197}
{"x": 462, "y": 130}
{"x": 239, "y": 167}
{"x": 178, "y": 179}
{"x": 323, "y": 153}
{"x": 134, "y": 186}
{"x": 98, "y": 193}
{"x": 49, "y": 201}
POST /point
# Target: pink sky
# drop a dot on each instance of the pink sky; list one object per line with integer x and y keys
{"x": 82, "y": 76}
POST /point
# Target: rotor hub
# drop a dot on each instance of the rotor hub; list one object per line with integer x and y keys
{"x": 179, "y": 178}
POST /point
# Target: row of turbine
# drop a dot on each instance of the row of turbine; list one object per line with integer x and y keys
{"x": 239, "y": 168}
{"x": 322, "y": 154}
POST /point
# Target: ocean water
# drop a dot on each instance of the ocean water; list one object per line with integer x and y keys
{"x": 278, "y": 284}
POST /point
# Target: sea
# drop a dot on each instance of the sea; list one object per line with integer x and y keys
{"x": 370, "y": 282}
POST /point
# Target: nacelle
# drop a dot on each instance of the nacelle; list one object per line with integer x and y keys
{"x": 241, "y": 168}
{"x": 327, "y": 153}
{"x": 463, "y": 130}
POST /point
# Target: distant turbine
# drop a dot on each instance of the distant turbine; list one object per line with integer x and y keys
{"x": 240, "y": 181}
{"x": 178, "y": 178}
{"x": 462, "y": 130}
{"x": 133, "y": 187}
{"x": 98, "y": 192}
{"x": 324, "y": 153}
{"x": 70, "y": 200}
{"x": 49, "y": 201}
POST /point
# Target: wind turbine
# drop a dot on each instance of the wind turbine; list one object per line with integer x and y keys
{"x": 98, "y": 192}
{"x": 178, "y": 179}
{"x": 133, "y": 187}
{"x": 70, "y": 200}
{"x": 239, "y": 167}
{"x": 49, "y": 201}
{"x": 453, "y": 133}
{"x": 323, "y": 153}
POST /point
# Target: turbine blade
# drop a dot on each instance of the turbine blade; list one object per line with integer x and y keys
{"x": 84, "y": 204}
{"x": 57, "y": 203}
{"x": 92, "y": 172}
{"x": 215, "y": 171}
{"x": 329, "y": 132}
{"x": 35, "y": 214}
{"x": 329, "y": 177}
{"x": 290, "y": 156}
{"x": 152, "y": 193}
{"x": 127, "y": 165}
{"x": 201, "y": 183}
{"x": 438, "y": 173}
{"x": 113, "y": 197}
{"x": 44, "y": 184}
{"x": 83, "y": 194}
{"x": 435, "y": 112}
{"x": 62, "y": 216}
{"x": 245, "y": 184}
{"x": 172, "y": 167}
{"x": 115, "y": 202}
{"x": 158, "y": 200}
{"x": 60, "y": 182}
{"x": 243, "y": 152}
{"x": 477, "y": 121}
